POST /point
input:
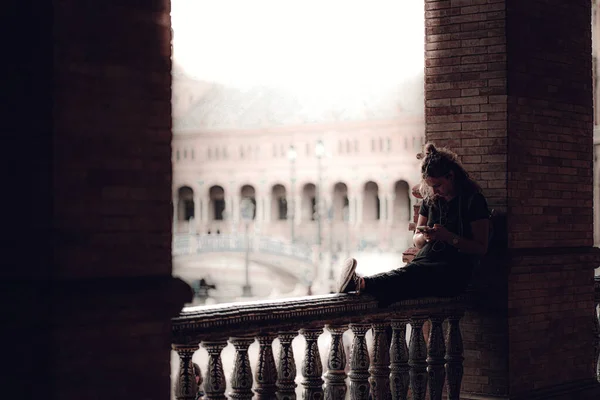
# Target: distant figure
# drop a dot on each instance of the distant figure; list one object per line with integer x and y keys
{"x": 218, "y": 232}
{"x": 208, "y": 232}
{"x": 199, "y": 381}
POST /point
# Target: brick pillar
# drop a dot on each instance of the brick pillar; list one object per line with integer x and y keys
{"x": 87, "y": 303}
{"x": 509, "y": 87}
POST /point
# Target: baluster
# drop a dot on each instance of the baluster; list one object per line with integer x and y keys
{"x": 241, "y": 380}
{"x": 215, "y": 383}
{"x": 399, "y": 361}
{"x": 380, "y": 369}
{"x": 454, "y": 357}
{"x": 597, "y": 323}
{"x": 359, "y": 363}
{"x": 435, "y": 358}
{"x": 312, "y": 369}
{"x": 335, "y": 387}
{"x": 266, "y": 373}
{"x": 417, "y": 354}
{"x": 286, "y": 371}
{"x": 185, "y": 387}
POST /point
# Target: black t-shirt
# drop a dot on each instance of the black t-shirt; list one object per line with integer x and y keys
{"x": 455, "y": 215}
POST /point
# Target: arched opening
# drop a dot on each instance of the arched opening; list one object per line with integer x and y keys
{"x": 217, "y": 202}
{"x": 185, "y": 204}
{"x": 340, "y": 200}
{"x": 279, "y": 203}
{"x": 401, "y": 210}
{"x": 309, "y": 193}
{"x": 371, "y": 207}
{"x": 248, "y": 192}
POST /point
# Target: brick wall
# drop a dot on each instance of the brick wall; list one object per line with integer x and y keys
{"x": 87, "y": 292}
{"x": 509, "y": 88}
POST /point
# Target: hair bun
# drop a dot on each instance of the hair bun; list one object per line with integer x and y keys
{"x": 430, "y": 149}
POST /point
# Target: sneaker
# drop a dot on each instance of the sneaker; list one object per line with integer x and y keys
{"x": 349, "y": 280}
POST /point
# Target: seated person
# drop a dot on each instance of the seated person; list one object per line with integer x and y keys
{"x": 452, "y": 234}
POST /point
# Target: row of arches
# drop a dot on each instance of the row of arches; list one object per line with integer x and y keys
{"x": 370, "y": 204}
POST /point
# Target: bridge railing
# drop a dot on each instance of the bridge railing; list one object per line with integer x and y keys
{"x": 393, "y": 368}
{"x": 191, "y": 244}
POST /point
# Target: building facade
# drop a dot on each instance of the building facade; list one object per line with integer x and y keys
{"x": 338, "y": 174}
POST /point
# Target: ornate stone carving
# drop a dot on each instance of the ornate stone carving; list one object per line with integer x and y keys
{"x": 597, "y": 325}
{"x": 359, "y": 363}
{"x": 335, "y": 387}
{"x": 286, "y": 369}
{"x": 380, "y": 368}
{"x": 399, "y": 377}
{"x": 312, "y": 369}
{"x": 241, "y": 379}
{"x": 266, "y": 373}
{"x": 215, "y": 383}
{"x": 417, "y": 354}
{"x": 454, "y": 357}
{"x": 436, "y": 350}
{"x": 185, "y": 386}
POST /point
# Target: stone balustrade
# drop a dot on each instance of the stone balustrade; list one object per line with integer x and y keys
{"x": 392, "y": 370}
{"x": 597, "y": 323}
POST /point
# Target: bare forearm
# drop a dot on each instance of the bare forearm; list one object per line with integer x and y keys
{"x": 419, "y": 240}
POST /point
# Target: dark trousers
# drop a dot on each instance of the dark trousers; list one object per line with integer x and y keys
{"x": 418, "y": 280}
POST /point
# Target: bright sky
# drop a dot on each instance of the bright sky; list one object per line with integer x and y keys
{"x": 301, "y": 44}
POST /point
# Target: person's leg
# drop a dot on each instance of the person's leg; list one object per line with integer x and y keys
{"x": 410, "y": 281}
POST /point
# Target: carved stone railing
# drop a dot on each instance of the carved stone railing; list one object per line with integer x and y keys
{"x": 391, "y": 370}
{"x": 597, "y": 324}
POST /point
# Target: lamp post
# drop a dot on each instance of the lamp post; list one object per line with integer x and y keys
{"x": 346, "y": 214}
{"x": 247, "y": 212}
{"x": 291, "y": 211}
{"x": 319, "y": 152}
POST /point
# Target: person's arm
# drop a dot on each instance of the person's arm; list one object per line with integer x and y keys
{"x": 478, "y": 245}
{"x": 419, "y": 239}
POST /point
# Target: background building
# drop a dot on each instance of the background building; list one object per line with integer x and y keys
{"x": 333, "y": 175}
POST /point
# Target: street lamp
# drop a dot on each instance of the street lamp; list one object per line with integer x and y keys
{"x": 319, "y": 152}
{"x": 292, "y": 204}
{"x": 247, "y": 212}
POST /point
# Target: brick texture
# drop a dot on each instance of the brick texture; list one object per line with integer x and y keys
{"x": 509, "y": 88}
{"x": 87, "y": 293}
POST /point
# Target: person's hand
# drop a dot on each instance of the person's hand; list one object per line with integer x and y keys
{"x": 427, "y": 235}
{"x": 438, "y": 232}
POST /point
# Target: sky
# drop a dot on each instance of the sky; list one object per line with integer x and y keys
{"x": 300, "y": 45}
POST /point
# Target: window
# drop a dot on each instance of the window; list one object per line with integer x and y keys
{"x": 389, "y": 145}
{"x": 380, "y": 144}
{"x": 372, "y": 145}
{"x": 405, "y": 143}
{"x": 347, "y": 146}
{"x": 177, "y": 156}
{"x": 184, "y": 153}
{"x": 188, "y": 209}
{"x": 219, "y": 205}
{"x": 313, "y": 202}
{"x": 217, "y": 153}
{"x": 209, "y": 153}
{"x": 356, "y": 145}
{"x": 282, "y": 208}
{"x": 241, "y": 152}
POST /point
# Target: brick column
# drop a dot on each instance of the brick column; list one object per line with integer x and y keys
{"x": 91, "y": 114}
{"x": 509, "y": 87}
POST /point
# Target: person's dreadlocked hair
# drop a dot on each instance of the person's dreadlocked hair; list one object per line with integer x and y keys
{"x": 437, "y": 163}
